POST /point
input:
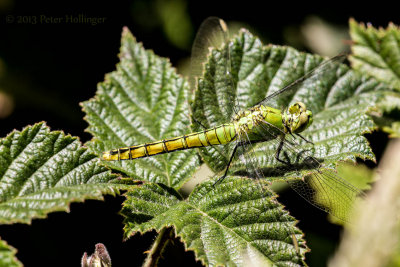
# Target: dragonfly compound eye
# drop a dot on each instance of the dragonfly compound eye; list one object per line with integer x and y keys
{"x": 302, "y": 121}
{"x": 310, "y": 117}
{"x": 302, "y": 106}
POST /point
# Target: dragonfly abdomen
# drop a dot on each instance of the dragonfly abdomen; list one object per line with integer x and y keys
{"x": 219, "y": 135}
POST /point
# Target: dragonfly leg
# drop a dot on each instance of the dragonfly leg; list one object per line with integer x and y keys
{"x": 220, "y": 179}
{"x": 291, "y": 143}
{"x": 302, "y": 137}
{"x": 278, "y": 151}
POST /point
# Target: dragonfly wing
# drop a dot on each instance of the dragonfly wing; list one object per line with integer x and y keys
{"x": 283, "y": 96}
{"x": 213, "y": 83}
{"x": 320, "y": 186}
{"x": 329, "y": 192}
{"x": 212, "y": 33}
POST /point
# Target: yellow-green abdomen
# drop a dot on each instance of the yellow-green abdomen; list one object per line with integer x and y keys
{"x": 219, "y": 135}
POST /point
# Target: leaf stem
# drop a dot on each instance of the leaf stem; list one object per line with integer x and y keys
{"x": 158, "y": 247}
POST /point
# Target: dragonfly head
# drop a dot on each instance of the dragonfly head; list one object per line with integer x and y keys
{"x": 297, "y": 118}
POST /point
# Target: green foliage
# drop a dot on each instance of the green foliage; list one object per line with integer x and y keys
{"x": 144, "y": 100}
{"x": 43, "y": 171}
{"x": 222, "y": 224}
{"x": 388, "y": 117}
{"x": 231, "y": 223}
{"x": 338, "y": 99}
{"x": 376, "y": 52}
{"x": 7, "y": 255}
{"x": 393, "y": 130}
{"x": 358, "y": 174}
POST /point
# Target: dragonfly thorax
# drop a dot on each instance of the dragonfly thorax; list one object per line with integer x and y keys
{"x": 248, "y": 121}
{"x": 297, "y": 118}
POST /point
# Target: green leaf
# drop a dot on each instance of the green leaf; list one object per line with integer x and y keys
{"x": 376, "y": 52}
{"x": 358, "y": 174}
{"x": 7, "y": 255}
{"x": 144, "y": 100}
{"x": 223, "y": 224}
{"x": 388, "y": 115}
{"x": 339, "y": 100}
{"x": 43, "y": 171}
{"x": 393, "y": 130}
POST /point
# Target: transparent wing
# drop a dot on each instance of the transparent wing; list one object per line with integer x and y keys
{"x": 286, "y": 95}
{"x": 213, "y": 33}
{"x": 321, "y": 186}
{"x": 218, "y": 86}
{"x": 325, "y": 189}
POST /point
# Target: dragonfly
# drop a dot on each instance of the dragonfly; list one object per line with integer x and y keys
{"x": 282, "y": 127}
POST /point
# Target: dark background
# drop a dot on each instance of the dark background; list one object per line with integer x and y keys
{"x": 49, "y": 68}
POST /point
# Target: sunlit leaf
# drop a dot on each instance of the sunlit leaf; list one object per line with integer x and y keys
{"x": 7, "y": 255}
{"x": 144, "y": 100}
{"x": 225, "y": 224}
{"x": 376, "y": 52}
{"x": 42, "y": 171}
